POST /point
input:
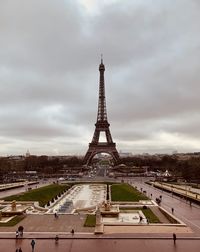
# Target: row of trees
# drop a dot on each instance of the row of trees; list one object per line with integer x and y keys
{"x": 38, "y": 163}
{"x": 188, "y": 169}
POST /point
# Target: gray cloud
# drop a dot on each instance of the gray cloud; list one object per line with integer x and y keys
{"x": 49, "y": 56}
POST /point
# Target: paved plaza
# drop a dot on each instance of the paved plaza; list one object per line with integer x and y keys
{"x": 105, "y": 245}
{"x": 65, "y": 223}
{"x": 44, "y": 228}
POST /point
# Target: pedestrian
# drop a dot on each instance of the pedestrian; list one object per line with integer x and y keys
{"x": 56, "y": 239}
{"x": 33, "y": 245}
{"x": 72, "y": 231}
{"x": 172, "y": 210}
{"x": 21, "y": 230}
{"x": 174, "y": 238}
{"x": 17, "y": 234}
{"x": 20, "y": 250}
{"x": 17, "y": 250}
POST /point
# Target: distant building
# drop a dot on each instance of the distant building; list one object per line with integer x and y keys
{"x": 28, "y": 153}
{"x": 125, "y": 154}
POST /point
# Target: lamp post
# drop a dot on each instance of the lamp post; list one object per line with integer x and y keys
{"x": 172, "y": 190}
{"x": 186, "y": 193}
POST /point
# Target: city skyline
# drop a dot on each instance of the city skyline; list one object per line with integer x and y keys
{"x": 49, "y": 79}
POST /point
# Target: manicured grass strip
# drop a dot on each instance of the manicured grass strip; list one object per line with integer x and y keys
{"x": 125, "y": 192}
{"x": 13, "y": 222}
{"x": 42, "y": 194}
{"x": 152, "y": 218}
{"x": 90, "y": 221}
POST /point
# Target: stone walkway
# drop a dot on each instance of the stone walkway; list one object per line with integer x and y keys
{"x": 48, "y": 223}
{"x": 153, "y": 229}
{"x": 160, "y": 215}
{"x": 48, "y": 226}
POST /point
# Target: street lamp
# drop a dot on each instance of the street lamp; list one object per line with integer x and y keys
{"x": 172, "y": 190}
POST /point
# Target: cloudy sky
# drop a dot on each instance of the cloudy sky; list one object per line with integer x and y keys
{"x": 49, "y": 56}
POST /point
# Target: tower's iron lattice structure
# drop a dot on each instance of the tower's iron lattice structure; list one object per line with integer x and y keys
{"x": 101, "y": 125}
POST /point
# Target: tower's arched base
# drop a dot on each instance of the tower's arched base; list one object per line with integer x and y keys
{"x": 94, "y": 149}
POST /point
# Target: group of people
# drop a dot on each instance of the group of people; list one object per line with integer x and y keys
{"x": 19, "y": 233}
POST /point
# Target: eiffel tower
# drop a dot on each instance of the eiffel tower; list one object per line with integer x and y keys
{"x": 101, "y": 125}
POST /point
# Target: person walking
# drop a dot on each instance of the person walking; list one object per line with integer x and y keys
{"x": 21, "y": 230}
{"x": 172, "y": 210}
{"x": 72, "y": 232}
{"x": 33, "y": 245}
{"x": 174, "y": 238}
{"x": 20, "y": 250}
{"x": 17, "y": 250}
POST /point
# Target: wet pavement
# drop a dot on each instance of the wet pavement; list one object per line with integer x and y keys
{"x": 99, "y": 245}
{"x": 189, "y": 214}
{"x": 23, "y": 189}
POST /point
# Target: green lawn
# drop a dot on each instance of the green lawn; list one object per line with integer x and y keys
{"x": 90, "y": 221}
{"x": 42, "y": 195}
{"x": 125, "y": 192}
{"x": 13, "y": 222}
{"x": 152, "y": 218}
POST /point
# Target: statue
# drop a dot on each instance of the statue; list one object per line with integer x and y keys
{"x": 13, "y": 205}
{"x": 98, "y": 216}
{"x": 107, "y": 206}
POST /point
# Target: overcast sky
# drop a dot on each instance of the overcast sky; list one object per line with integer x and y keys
{"x": 49, "y": 57}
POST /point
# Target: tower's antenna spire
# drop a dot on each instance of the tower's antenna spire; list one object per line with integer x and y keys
{"x": 101, "y": 58}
